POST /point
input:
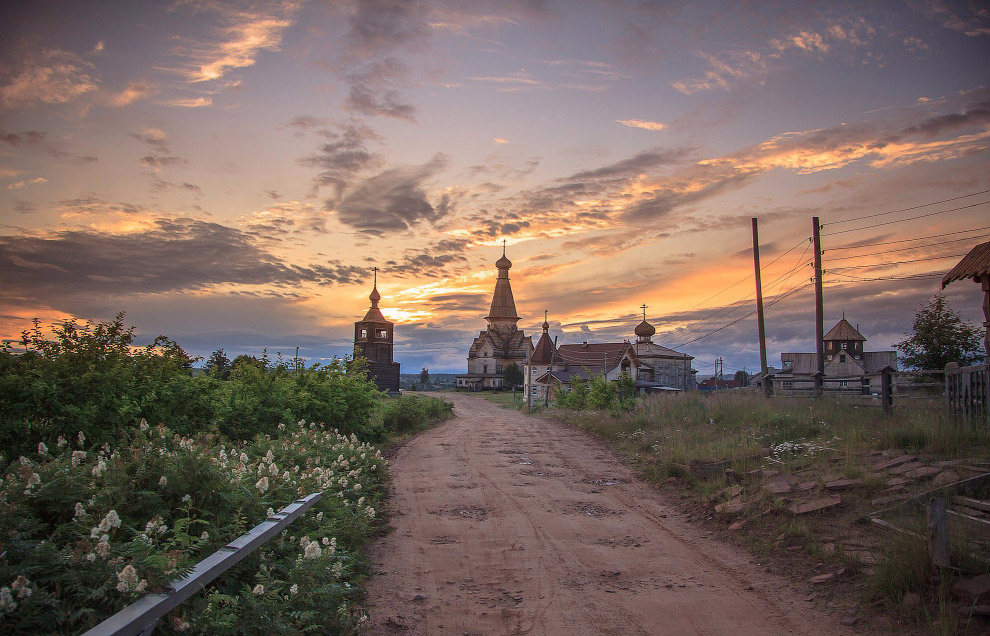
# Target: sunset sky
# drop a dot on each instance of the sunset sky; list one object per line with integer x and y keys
{"x": 228, "y": 173}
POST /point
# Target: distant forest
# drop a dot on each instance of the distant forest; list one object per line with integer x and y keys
{"x": 437, "y": 381}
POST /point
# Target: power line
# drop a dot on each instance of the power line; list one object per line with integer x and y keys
{"x": 916, "y": 207}
{"x": 911, "y": 240}
{"x": 911, "y": 218}
{"x": 860, "y": 279}
{"x": 914, "y": 260}
{"x": 773, "y": 302}
{"x": 743, "y": 280}
{"x": 906, "y": 249}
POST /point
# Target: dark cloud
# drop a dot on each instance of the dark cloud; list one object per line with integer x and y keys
{"x": 371, "y": 93}
{"x": 156, "y": 162}
{"x": 391, "y": 201}
{"x": 344, "y": 155}
{"x": 175, "y": 255}
{"x": 38, "y": 141}
{"x": 635, "y": 165}
{"x": 161, "y": 156}
{"x": 979, "y": 115}
{"x": 25, "y": 207}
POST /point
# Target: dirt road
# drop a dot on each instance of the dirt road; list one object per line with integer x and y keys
{"x": 511, "y": 524}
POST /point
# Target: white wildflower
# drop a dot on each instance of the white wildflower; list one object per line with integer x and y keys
{"x": 100, "y": 468}
{"x": 7, "y": 602}
{"x": 61, "y": 442}
{"x": 294, "y": 589}
{"x": 127, "y": 579}
{"x": 258, "y": 590}
{"x": 21, "y": 586}
{"x": 91, "y": 557}
{"x": 273, "y": 469}
{"x": 205, "y": 536}
{"x": 143, "y": 424}
{"x": 281, "y": 426}
{"x": 319, "y": 516}
{"x": 370, "y": 512}
{"x": 42, "y": 449}
{"x": 186, "y": 498}
{"x": 163, "y": 481}
{"x": 313, "y": 550}
{"x": 262, "y": 484}
{"x": 271, "y": 512}
{"x": 337, "y": 568}
{"x": 80, "y": 510}
{"x": 81, "y": 438}
{"x": 243, "y": 458}
{"x": 325, "y": 541}
{"x": 34, "y": 479}
{"x": 77, "y": 457}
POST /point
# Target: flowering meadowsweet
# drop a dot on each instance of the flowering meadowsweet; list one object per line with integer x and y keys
{"x": 7, "y": 602}
{"x": 80, "y": 510}
{"x": 111, "y": 520}
{"x": 243, "y": 458}
{"x": 294, "y": 589}
{"x": 21, "y": 586}
{"x": 42, "y": 448}
{"x": 205, "y": 536}
{"x": 262, "y": 484}
{"x": 78, "y": 457}
{"x": 143, "y": 424}
{"x": 186, "y": 498}
{"x": 258, "y": 590}
{"x": 271, "y": 512}
{"x": 163, "y": 481}
{"x": 127, "y": 579}
{"x": 103, "y": 547}
{"x": 319, "y": 516}
{"x": 81, "y": 438}
{"x": 61, "y": 442}
{"x": 312, "y": 551}
{"x": 100, "y": 468}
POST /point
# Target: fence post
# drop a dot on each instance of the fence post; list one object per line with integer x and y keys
{"x": 950, "y": 378}
{"x": 938, "y": 533}
{"x": 886, "y": 396}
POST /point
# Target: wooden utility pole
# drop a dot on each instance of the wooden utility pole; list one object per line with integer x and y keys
{"x": 819, "y": 311}
{"x": 759, "y": 309}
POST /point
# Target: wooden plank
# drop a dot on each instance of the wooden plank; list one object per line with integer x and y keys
{"x": 969, "y": 502}
{"x": 972, "y": 525}
{"x": 938, "y": 533}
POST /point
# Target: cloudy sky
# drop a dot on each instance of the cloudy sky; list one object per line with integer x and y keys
{"x": 228, "y": 173}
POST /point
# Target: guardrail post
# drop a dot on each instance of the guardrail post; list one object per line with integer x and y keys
{"x": 140, "y": 617}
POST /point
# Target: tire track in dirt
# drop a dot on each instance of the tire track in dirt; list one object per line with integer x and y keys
{"x": 511, "y": 524}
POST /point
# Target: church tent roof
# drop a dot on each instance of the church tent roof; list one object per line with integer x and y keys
{"x": 843, "y": 331}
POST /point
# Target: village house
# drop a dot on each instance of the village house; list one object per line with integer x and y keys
{"x": 653, "y": 366}
{"x": 849, "y": 368}
{"x": 373, "y": 339}
{"x": 503, "y": 343}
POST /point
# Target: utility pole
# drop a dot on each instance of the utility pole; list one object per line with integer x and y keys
{"x": 759, "y": 309}
{"x": 819, "y": 311}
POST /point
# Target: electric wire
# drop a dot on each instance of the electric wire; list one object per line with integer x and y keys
{"x": 916, "y": 207}
{"x": 884, "y": 264}
{"x": 905, "y": 249}
{"x": 911, "y": 218}
{"x": 911, "y": 240}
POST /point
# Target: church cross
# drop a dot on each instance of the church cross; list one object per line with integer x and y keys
{"x": 375, "y": 270}
{"x": 644, "y": 311}
{"x": 503, "y": 247}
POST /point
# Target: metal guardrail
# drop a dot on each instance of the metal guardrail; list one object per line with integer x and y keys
{"x": 141, "y": 617}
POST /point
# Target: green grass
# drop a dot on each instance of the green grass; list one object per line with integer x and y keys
{"x": 506, "y": 398}
{"x": 795, "y": 433}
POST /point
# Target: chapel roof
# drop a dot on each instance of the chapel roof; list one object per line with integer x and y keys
{"x": 843, "y": 331}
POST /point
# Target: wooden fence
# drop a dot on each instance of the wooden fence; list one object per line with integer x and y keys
{"x": 966, "y": 391}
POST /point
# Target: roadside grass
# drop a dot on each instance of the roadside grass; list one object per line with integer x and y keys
{"x": 695, "y": 438}
{"x": 506, "y": 399}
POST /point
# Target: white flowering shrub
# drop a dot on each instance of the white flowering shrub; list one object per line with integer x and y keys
{"x": 85, "y": 531}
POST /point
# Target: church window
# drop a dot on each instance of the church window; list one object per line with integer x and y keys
{"x": 484, "y": 368}
{"x": 842, "y": 357}
{"x": 788, "y": 363}
{"x": 383, "y": 333}
{"x": 364, "y": 333}
{"x": 787, "y": 384}
{"x": 845, "y": 344}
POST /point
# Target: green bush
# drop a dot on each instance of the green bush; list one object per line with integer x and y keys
{"x": 85, "y": 531}
{"x": 92, "y": 378}
{"x": 408, "y": 414}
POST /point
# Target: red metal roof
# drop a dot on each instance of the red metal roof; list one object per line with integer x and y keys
{"x": 976, "y": 263}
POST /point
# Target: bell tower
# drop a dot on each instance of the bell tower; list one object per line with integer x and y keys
{"x": 373, "y": 340}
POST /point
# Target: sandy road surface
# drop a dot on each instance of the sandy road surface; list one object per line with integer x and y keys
{"x": 510, "y": 524}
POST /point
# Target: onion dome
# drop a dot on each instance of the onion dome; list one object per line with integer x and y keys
{"x": 645, "y": 330}
{"x": 503, "y": 263}
{"x": 375, "y": 296}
